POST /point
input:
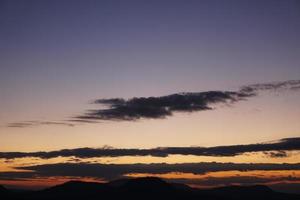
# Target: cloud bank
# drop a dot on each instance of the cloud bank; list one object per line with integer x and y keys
{"x": 274, "y": 149}
{"x": 114, "y": 171}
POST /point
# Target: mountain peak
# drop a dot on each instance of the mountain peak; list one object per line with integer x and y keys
{"x": 149, "y": 181}
{"x": 148, "y": 184}
{"x": 78, "y": 187}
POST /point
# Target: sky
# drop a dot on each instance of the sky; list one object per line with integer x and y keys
{"x": 80, "y": 74}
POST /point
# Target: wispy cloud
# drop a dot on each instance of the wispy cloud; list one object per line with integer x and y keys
{"x": 277, "y": 86}
{"x": 274, "y": 149}
{"x": 36, "y": 123}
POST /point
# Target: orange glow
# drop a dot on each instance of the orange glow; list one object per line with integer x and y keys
{"x": 273, "y": 177}
{"x": 40, "y": 183}
{"x": 223, "y": 174}
{"x": 8, "y": 165}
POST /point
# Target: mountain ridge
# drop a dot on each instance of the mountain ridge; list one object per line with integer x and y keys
{"x": 145, "y": 188}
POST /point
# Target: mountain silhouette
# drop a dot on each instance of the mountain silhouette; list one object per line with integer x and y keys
{"x": 3, "y": 190}
{"x": 148, "y": 184}
{"x": 145, "y": 188}
{"x": 4, "y": 193}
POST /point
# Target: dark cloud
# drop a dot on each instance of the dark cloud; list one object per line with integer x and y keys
{"x": 274, "y": 149}
{"x": 36, "y": 123}
{"x": 114, "y": 171}
{"x": 160, "y": 107}
{"x": 276, "y": 154}
{"x": 277, "y": 86}
{"x": 164, "y": 106}
{"x": 119, "y": 109}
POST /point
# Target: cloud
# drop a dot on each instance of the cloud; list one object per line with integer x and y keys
{"x": 274, "y": 149}
{"x": 276, "y": 154}
{"x": 108, "y": 172}
{"x": 277, "y": 86}
{"x": 36, "y": 123}
{"x": 120, "y": 109}
{"x": 160, "y": 107}
{"x": 114, "y": 171}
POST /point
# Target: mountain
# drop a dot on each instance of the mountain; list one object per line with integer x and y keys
{"x": 147, "y": 184}
{"x": 2, "y": 189}
{"x": 4, "y": 192}
{"x": 245, "y": 192}
{"x": 75, "y": 189}
{"x": 145, "y": 188}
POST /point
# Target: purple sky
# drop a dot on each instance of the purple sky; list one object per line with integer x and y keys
{"x": 58, "y": 56}
{"x": 142, "y": 48}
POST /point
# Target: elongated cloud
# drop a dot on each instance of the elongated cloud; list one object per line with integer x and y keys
{"x": 274, "y": 149}
{"x": 160, "y": 107}
{"x": 36, "y": 123}
{"x": 283, "y": 85}
{"x": 113, "y": 171}
{"x": 120, "y": 109}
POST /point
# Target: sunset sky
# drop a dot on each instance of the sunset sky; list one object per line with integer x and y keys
{"x": 203, "y": 92}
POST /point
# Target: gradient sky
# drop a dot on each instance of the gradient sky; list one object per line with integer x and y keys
{"x": 57, "y": 56}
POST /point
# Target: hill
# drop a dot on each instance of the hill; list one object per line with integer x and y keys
{"x": 145, "y": 188}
